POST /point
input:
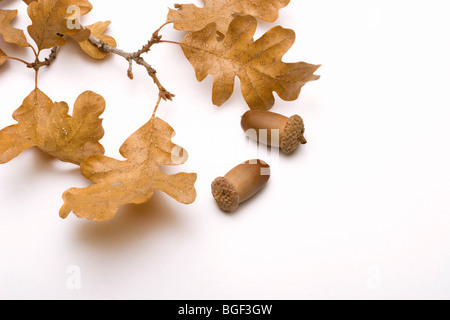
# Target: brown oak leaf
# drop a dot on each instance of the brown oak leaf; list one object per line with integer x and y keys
{"x": 47, "y": 125}
{"x": 132, "y": 181}
{"x": 3, "y": 57}
{"x": 258, "y": 63}
{"x": 189, "y": 17}
{"x": 53, "y": 18}
{"x": 9, "y": 33}
{"x": 97, "y": 30}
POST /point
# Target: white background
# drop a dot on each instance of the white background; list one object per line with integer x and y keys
{"x": 360, "y": 212}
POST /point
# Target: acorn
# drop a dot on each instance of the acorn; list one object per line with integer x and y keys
{"x": 290, "y": 130}
{"x": 240, "y": 184}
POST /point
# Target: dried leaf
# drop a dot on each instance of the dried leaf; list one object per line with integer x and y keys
{"x": 189, "y": 17}
{"x": 9, "y": 33}
{"x": 258, "y": 64}
{"x": 51, "y": 19}
{"x": 48, "y": 126}
{"x": 3, "y": 57}
{"x": 132, "y": 181}
{"x": 97, "y": 30}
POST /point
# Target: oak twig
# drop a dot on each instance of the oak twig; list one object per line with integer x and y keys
{"x": 136, "y": 57}
{"x": 47, "y": 62}
{"x": 37, "y": 64}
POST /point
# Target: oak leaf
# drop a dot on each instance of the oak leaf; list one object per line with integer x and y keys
{"x": 132, "y": 181}
{"x": 9, "y": 33}
{"x": 3, "y": 57}
{"x": 97, "y": 30}
{"x": 258, "y": 63}
{"x": 47, "y": 125}
{"x": 53, "y": 18}
{"x": 189, "y": 17}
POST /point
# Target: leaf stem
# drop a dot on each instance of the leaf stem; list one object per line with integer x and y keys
{"x": 28, "y": 64}
{"x": 34, "y": 51}
{"x": 168, "y": 41}
{"x": 36, "y": 78}
{"x": 156, "y": 107}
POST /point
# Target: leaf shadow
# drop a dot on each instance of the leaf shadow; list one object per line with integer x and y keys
{"x": 45, "y": 163}
{"x": 131, "y": 224}
{"x": 4, "y": 68}
{"x": 41, "y": 160}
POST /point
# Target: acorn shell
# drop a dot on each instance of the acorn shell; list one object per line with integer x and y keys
{"x": 240, "y": 184}
{"x": 290, "y": 134}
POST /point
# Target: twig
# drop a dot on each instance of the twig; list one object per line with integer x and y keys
{"x": 47, "y": 62}
{"x": 37, "y": 64}
{"x": 136, "y": 57}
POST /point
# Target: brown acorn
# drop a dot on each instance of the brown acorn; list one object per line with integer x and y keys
{"x": 240, "y": 184}
{"x": 290, "y": 130}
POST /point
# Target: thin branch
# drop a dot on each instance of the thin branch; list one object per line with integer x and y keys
{"x": 130, "y": 69}
{"x": 136, "y": 57}
{"x": 146, "y": 48}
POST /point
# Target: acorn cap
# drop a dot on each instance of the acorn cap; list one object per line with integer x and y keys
{"x": 225, "y": 193}
{"x": 292, "y": 134}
